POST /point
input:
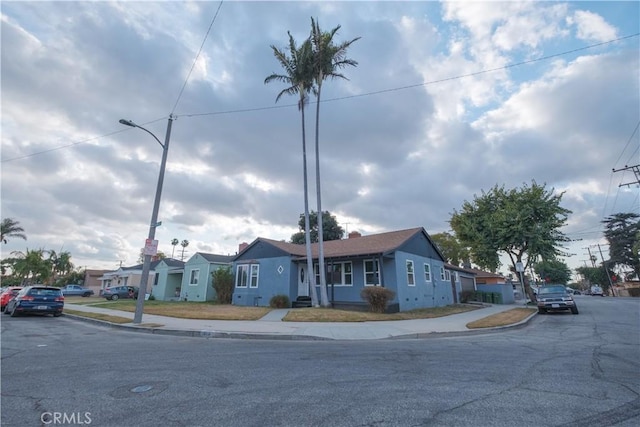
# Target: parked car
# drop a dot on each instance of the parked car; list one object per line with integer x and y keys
{"x": 36, "y": 299}
{"x": 577, "y": 292}
{"x": 596, "y": 291}
{"x": 116, "y": 292}
{"x": 7, "y": 294}
{"x": 555, "y": 298}
{"x": 76, "y": 290}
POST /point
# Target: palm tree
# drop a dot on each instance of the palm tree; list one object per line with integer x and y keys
{"x": 184, "y": 245}
{"x": 11, "y": 228}
{"x": 328, "y": 59}
{"x": 31, "y": 266}
{"x": 174, "y": 243}
{"x": 298, "y": 68}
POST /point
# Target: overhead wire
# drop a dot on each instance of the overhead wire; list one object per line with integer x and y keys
{"x": 195, "y": 61}
{"x": 273, "y": 107}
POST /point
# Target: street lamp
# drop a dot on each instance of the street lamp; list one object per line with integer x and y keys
{"x": 146, "y": 266}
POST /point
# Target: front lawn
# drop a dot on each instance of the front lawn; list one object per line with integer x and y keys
{"x": 190, "y": 310}
{"x": 334, "y": 315}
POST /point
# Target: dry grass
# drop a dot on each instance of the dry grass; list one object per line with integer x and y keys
{"x": 84, "y": 300}
{"x": 99, "y": 316}
{"x": 502, "y": 319}
{"x": 333, "y": 315}
{"x": 191, "y": 310}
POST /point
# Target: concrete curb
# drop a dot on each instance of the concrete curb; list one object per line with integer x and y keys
{"x": 292, "y": 337}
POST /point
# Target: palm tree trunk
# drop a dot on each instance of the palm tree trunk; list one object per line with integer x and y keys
{"x": 324, "y": 298}
{"x": 307, "y": 232}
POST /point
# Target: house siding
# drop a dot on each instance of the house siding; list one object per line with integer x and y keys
{"x": 276, "y": 276}
{"x": 203, "y": 290}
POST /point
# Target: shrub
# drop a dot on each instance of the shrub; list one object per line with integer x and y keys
{"x": 152, "y": 298}
{"x": 377, "y": 297}
{"x": 223, "y": 284}
{"x": 279, "y": 301}
{"x": 634, "y": 292}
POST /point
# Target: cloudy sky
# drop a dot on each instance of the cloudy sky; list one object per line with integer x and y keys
{"x": 448, "y": 99}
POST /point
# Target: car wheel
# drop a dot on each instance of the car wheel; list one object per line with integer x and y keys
{"x": 542, "y": 311}
{"x": 115, "y": 297}
{"x": 86, "y": 294}
{"x": 574, "y": 310}
{"x": 57, "y": 314}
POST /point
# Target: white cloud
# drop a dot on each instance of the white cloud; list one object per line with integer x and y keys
{"x": 592, "y": 27}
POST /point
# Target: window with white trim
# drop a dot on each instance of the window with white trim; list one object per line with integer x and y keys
{"x": 445, "y": 274}
{"x": 242, "y": 276}
{"x": 247, "y": 275}
{"x": 427, "y": 272}
{"x": 253, "y": 283}
{"x": 371, "y": 272}
{"x": 411, "y": 280}
{"x": 338, "y": 274}
{"x": 193, "y": 277}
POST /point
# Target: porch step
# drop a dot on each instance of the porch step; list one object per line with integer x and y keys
{"x": 301, "y": 302}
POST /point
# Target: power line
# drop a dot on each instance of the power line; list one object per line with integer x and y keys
{"x": 245, "y": 110}
{"x": 196, "y": 58}
{"x": 628, "y": 142}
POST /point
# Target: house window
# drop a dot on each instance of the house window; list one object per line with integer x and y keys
{"x": 427, "y": 273}
{"x": 193, "y": 278}
{"x": 371, "y": 272}
{"x": 338, "y": 274}
{"x": 445, "y": 274}
{"x": 242, "y": 276}
{"x": 255, "y": 268}
{"x": 411, "y": 281}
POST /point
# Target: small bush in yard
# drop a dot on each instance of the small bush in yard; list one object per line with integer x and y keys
{"x": 377, "y": 297}
{"x": 223, "y": 284}
{"x": 279, "y": 301}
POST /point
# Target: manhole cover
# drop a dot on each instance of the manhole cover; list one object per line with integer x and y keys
{"x": 141, "y": 388}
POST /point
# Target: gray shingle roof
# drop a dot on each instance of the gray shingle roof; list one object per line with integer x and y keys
{"x": 223, "y": 259}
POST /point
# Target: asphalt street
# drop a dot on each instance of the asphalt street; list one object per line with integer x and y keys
{"x": 559, "y": 370}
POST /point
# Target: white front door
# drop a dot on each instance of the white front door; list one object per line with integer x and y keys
{"x": 303, "y": 282}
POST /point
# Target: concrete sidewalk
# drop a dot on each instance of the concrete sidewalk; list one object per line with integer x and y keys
{"x": 272, "y": 327}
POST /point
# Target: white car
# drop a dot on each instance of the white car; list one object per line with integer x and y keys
{"x": 596, "y": 290}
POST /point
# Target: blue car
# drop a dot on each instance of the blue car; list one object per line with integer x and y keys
{"x": 36, "y": 299}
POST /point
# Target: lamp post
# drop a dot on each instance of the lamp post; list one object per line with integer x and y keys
{"x": 146, "y": 266}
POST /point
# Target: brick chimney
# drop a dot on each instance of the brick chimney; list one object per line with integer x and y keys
{"x": 242, "y": 246}
{"x": 354, "y": 234}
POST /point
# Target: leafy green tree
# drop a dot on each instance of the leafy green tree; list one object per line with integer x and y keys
{"x": 222, "y": 279}
{"x": 328, "y": 59}
{"x": 157, "y": 256}
{"x": 31, "y": 266}
{"x": 11, "y": 228}
{"x": 622, "y": 230}
{"x": 331, "y": 229}
{"x": 522, "y": 223}
{"x": 553, "y": 271}
{"x": 298, "y": 76}
{"x": 451, "y": 248}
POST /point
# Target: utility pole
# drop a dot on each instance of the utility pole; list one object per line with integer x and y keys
{"x": 606, "y": 272}
{"x": 636, "y": 172}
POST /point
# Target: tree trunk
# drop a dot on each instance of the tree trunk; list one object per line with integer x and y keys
{"x": 323, "y": 280}
{"x": 307, "y": 233}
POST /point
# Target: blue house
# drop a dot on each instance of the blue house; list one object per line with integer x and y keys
{"x": 167, "y": 284}
{"x": 405, "y": 261}
{"x": 197, "y": 282}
